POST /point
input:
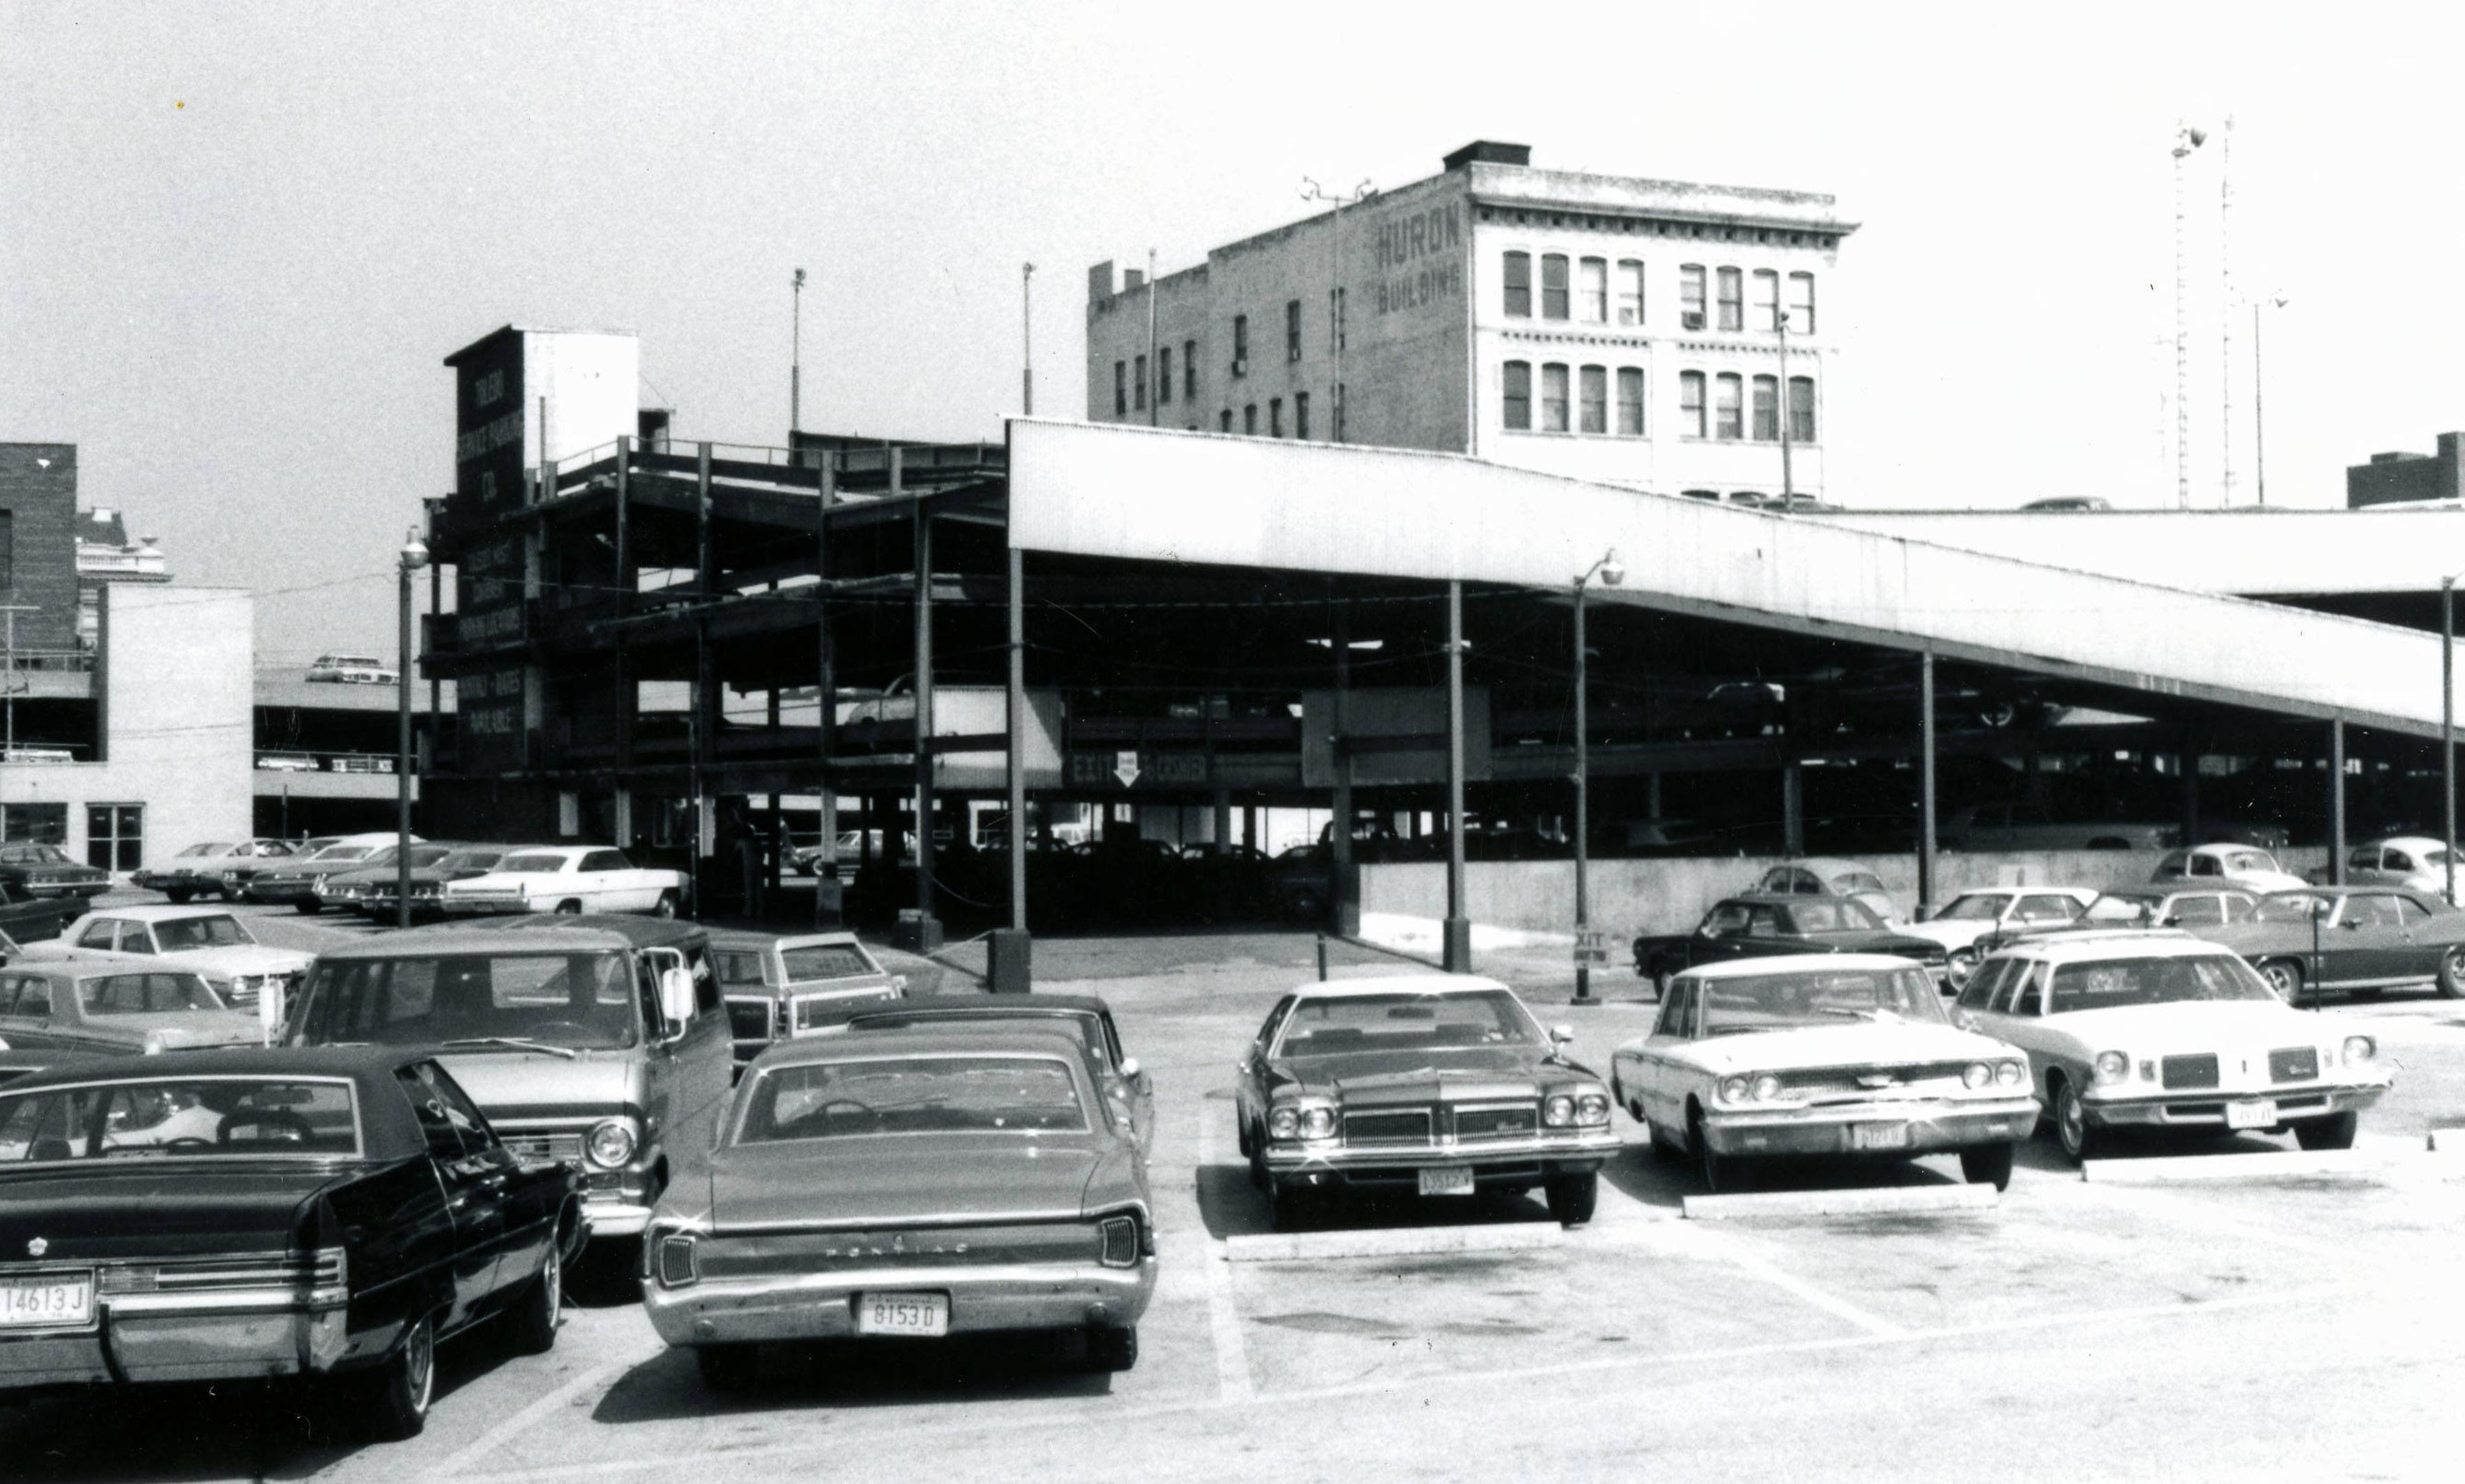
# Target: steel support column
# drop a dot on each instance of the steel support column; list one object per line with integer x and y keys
{"x": 2337, "y": 802}
{"x": 1925, "y": 778}
{"x": 830, "y": 891}
{"x": 1343, "y": 898}
{"x": 1793, "y": 809}
{"x": 2446, "y": 721}
{"x": 1008, "y": 956}
{"x": 1458, "y": 928}
{"x": 928, "y": 930}
{"x": 1583, "y": 801}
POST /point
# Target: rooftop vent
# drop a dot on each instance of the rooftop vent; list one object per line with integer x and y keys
{"x": 1485, "y": 151}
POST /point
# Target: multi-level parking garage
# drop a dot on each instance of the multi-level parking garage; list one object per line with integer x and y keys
{"x": 1196, "y": 627}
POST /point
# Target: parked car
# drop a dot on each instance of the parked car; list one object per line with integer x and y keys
{"x": 377, "y": 895}
{"x": 302, "y": 879}
{"x": 599, "y": 1043}
{"x": 2415, "y": 862}
{"x": 2367, "y": 938}
{"x": 379, "y": 871}
{"x": 1847, "y": 1054}
{"x": 1129, "y": 1092}
{"x": 2191, "y": 907}
{"x": 567, "y": 879}
{"x": 1438, "y": 1085}
{"x": 908, "y": 1183}
{"x": 40, "y": 870}
{"x": 1761, "y": 925}
{"x": 215, "y": 868}
{"x": 1823, "y": 875}
{"x": 2031, "y": 827}
{"x": 107, "y": 1005}
{"x": 209, "y": 942}
{"x": 352, "y": 670}
{"x": 1981, "y": 913}
{"x": 33, "y": 918}
{"x": 778, "y": 986}
{"x": 2163, "y": 1030}
{"x": 232, "y": 1215}
{"x": 2246, "y": 866}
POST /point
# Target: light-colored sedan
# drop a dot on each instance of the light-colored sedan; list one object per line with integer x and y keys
{"x": 1842, "y": 1055}
{"x": 2160, "y": 1029}
{"x": 2407, "y": 860}
{"x": 209, "y": 942}
{"x": 114, "y": 1007}
{"x": 568, "y": 879}
{"x": 216, "y": 868}
{"x": 1827, "y": 875}
{"x": 2244, "y": 866}
{"x": 1982, "y": 912}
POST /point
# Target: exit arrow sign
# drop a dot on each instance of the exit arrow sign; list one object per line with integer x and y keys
{"x": 1125, "y": 768}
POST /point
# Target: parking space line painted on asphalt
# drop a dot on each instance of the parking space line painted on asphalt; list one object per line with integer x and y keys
{"x": 1514, "y": 1236}
{"x": 1737, "y": 1254}
{"x": 458, "y": 1464}
{"x": 1223, "y": 1315}
{"x": 1857, "y": 1201}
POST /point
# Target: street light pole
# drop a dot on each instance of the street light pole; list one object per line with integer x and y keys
{"x": 415, "y": 556}
{"x": 1027, "y": 340}
{"x": 2447, "y": 727}
{"x": 2258, "y": 399}
{"x": 1612, "y": 574}
{"x": 796, "y": 355}
{"x": 1335, "y": 298}
{"x": 1780, "y": 396}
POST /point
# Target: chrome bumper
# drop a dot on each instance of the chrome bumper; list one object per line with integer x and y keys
{"x": 822, "y": 1306}
{"x": 1572, "y": 1151}
{"x": 2206, "y": 1108}
{"x": 483, "y": 906}
{"x": 231, "y": 1336}
{"x": 1933, "y": 1125}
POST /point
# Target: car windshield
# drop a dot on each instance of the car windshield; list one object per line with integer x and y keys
{"x": 1972, "y": 907}
{"x": 332, "y": 852}
{"x": 202, "y": 1117}
{"x": 2107, "y": 983}
{"x": 517, "y": 864}
{"x": 145, "y": 994}
{"x": 584, "y": 1001}
{"x": 912, "y": 1095}
{"x": 180, "y": 935}
{"x": 826, "y": 961}
{"x": 2292, "y": 907}
{"x": 2246, "y": 862}
{"x": 2124, "y": 907}
{"x": 1780, "y": 1001}
{"x": 1344, "y": 1023}
{"x": 37, "y": 855}
{"x": 1826, "y": 915}
{"x": 1849, "y": 881}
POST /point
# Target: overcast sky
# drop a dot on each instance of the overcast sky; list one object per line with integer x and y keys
{"x": 236, "y": 240}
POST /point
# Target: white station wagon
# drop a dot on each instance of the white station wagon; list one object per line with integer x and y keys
{"x": 567, "y": 879}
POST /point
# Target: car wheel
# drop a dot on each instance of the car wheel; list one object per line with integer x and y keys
{"x": 179, "y": 894}
{"x": 1294, "y": 1206}
{"x": 1111, "y": 1350}
{"x": 534, "y": 1330}
{"x": 2335, "y": 1132}
{"x": 1241, "y": 1137}
{"x": 1572, "y": 1197}
{"x": 568, "y": 909}
{"x": 2285, "y": 977}
{"x": 1720, "y": 1173}
{"x": 726, "y": 1368}
{"x": 1988, "y": 1165}
{"x": 2452, "y": 972}
{"x": 310, "y": 907}
{"x": 666, "y": 907}
{"x": 1257, "y": 1152}
{"x": 1958, "y": 966}
{"x": 395, "y": 1405}
{"x": 2080, "y": 1140}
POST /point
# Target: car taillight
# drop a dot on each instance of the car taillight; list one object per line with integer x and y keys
{"x": 1121, "y": 1241}
{"x": 678, "y": 1264}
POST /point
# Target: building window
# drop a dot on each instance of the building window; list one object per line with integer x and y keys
{"x": 1767, "y": 410}
{"x": 1519, "y": 285}
{"x": 1690, "y": 296}
{"x": 1801, "y": 303}
{"x": 1300, "y": 416}
{"x": 1630, "y": 292}
{"x": 1553, "y": 286}
{"x": 1767, "y": 301}
{"x": 1728, "y": 416}
{"x": 1224, "y": 422}
{"x": 1275, "y": 417}
{"x": 1164, "y": 377}
{"x": 1190, "y": 370}
{"x": 1631, "y": 400}
{"x": 1120, "y": 390}
{"x": 1519, "y": 395}
{"x": 1801, "y": 410}
{"x": 1594, "y": 409}
{"x": 1291, "y": 329}
{"x": 1240, "y": 344}
{"x": 1250, "y": 417}
{"x": 115, "y": 836}
{"x": 1690, "y": 402}
{"x": 1594, "y": 281}
{"x": 1553, "y": 398}
{"x": 44, "y": 824}
{"x": 1140, "y": 393}
{"x": 1733, "y": 300}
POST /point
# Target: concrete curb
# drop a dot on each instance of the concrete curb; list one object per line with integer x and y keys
{"x": 1392, "y": 1242}
{"x": 2185, "y": 1168}
{"x": 1866, "y": 1200}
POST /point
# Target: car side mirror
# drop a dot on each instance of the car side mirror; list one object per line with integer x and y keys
{"x": 1129, "y": 1067}
{"x": 2351, "y": 928}
{"x": 2174, "y": 921}
{"x": 676, "y": 999}
{"x": 1560, "y": 1034}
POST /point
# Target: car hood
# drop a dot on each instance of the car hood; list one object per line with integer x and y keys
{"x": 900, "y": 1178}
{"x": 1439, "y": 1073}
{"x": 173, "y": 1028}
{"x": 1851, "y": 1044}
{"x": 2197, "y": 1024}
{"x": 239, "y": 959}
{"x": 523, "y": 1085}
{"x": 156, "y": 1207}
{"x": 1959, "y": 933}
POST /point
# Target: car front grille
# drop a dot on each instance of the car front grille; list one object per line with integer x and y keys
{"x": 1496, "y": 1121}
{"x": 2199, "y": 1071}
{"x": 544, "y": 1148}
{"x": 2294, "y": 1064}
{"x": 1863, "y": 1081}
{"x": 1388, "y": 1126}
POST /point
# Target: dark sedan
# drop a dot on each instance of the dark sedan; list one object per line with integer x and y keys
{"x": 40, "y": 870}
{"x": 226, "y": 1215}
{"x": 378, "y": 889}
{"x": 1761, "y": 924}
{"x": 2358, "y": 940}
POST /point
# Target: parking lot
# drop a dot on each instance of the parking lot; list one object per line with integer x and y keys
{"x": 2142, "y": 1323}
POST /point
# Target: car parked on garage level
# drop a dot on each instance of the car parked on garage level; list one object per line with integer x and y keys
{"x": 915, "y": 1185}
{"x": 1763, "y": 925}
{"x": 567, "y": 879}
{"x": 210, "y": 942}
{"x": 235, "y": 1215}
{"x": 213, "y": 868}
{"x": 785, "y": 985}
{"x": 1846, "y": 1054}
{"x": 352, "y": 670}
{"x": 379, "y": 871}
{"x": 103, "y": 1007}
{"x": 2033, "y": 826}
{"x": 2359, "y": 940}
{"x": 40, "y": 870}
{"x": 2245, "y": 866}
{"x": 1981, "y": 913}
{"x": 2165, "y": 1030}
{"x": 2415, "y": 862}
{"x": 1439, "y": 1085}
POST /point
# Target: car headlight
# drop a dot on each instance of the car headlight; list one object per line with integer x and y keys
{"x": 611, "y": 1143}
{"x": 2112, "y": 1066}
{"x": 1733, "y": 1089}
{"x": 1283, "y": 1124}
{"x": 1976, "y": 1074}
{"x": 1592, "y": 1108}
{"x": 1317, "y": 1122}
{"x": 2011, "y": 1073}
{"x": 2360, "y": 1049}
{"x": 1766, "y": 1087}
{"x": 1558, "y": 1110}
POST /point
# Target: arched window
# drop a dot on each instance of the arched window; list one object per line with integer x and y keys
{"x": 1517, "y": 398}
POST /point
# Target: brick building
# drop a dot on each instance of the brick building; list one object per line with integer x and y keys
{"x": 38, "y": 531}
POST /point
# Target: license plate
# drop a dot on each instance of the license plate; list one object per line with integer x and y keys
{"x": 2260, "y": 1113}
{"x": 1879, "y": 1136}
{"x": 1451, "y": 1179}
{"x": 903, "y": 1314}
{"x": 46, "y": 1302}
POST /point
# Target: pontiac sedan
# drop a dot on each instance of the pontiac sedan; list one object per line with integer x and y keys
{"x": 1431, "y": 1084}
{"x": 917, "y": 1183}
{"x": 2356, "y": 941}
{"x": 1849, "y": 1055}
{"x": 2159, "y": 1030}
